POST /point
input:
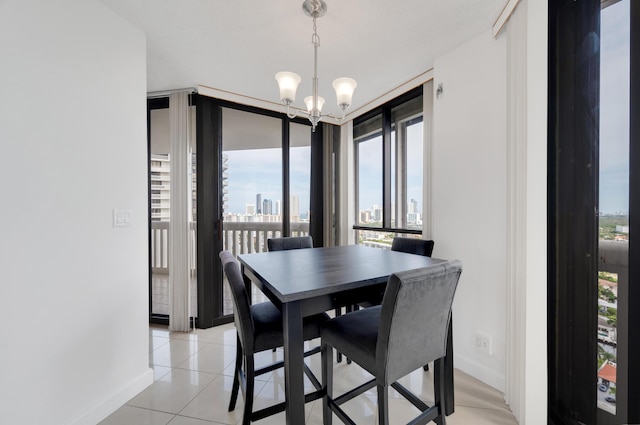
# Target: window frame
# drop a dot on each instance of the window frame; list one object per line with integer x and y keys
{"x": 385, "y": 111}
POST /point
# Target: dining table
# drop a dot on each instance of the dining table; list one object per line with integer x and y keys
{"x": 303, "y": 282}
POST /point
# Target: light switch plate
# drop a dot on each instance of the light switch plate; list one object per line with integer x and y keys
{"x": 122, "y": 218}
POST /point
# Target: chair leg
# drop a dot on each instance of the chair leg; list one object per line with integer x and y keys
{"x": 327, "y": 382}
{"x": 248, "y": 394}
{"x": 338, "y": 353}
{"x": 236, "y": 377}
{"x": 383, "y": 404}
{"x": 438, "y": 391}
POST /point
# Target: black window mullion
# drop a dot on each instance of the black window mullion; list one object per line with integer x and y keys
{"x": 286, "y": 193}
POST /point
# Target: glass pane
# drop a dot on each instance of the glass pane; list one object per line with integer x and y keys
{"x": 368, "y": 135}
{"x": 414, "y": 172}
{"x": 613, "y": 246}
{"x": 406, "y": 169}
{"x": 160, "y": 169}
{"x": 396, "y": 192}
{"x": 300, "y": 178}
{"x": 251, "y": 175}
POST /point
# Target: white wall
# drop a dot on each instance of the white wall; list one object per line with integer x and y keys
{"x": 469, "y": 195}
{"x": 74, "y": 289}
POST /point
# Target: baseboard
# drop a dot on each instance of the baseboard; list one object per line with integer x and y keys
{"x": 481, "y": 372}
{"x": 98, "y": 413}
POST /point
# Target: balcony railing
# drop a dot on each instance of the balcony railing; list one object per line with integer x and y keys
{"x": 238, "y": 237}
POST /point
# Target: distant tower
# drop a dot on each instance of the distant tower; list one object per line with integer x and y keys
{"x": 267, "y": 207}
{"x": 295, "y": 208}
{"x": 259, "y": 203}
{"x": 277, "y": 211}
{"x": 250, "y": 209}
{"x": 225, "y": 182}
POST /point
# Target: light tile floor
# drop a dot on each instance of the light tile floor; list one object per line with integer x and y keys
{"x": 193, "y": 377}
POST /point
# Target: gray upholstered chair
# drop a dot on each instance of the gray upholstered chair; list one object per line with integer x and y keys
{"x": 294, "y": 242}
{"x": 408, "y": 330}
{"x": 415, "y": 246}
{"x": 259, "y": 328}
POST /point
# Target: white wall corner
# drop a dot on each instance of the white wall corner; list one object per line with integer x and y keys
{"x": 130, "y": 390}
{"x": 480, "y": 370}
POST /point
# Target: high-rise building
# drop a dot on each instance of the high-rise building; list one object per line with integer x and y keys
{"x": 250, "y": 209}
{"x": 267, "y": 207}
{"x": 295, "y": 208}
{"x": 160, "y": 184}
{"x": 413, "y": 206}
{"x": 278, "y": 208}
{"x": 225, "y": 182}
{"x": 259, "y": 203}
{"x": 377, "y": 213}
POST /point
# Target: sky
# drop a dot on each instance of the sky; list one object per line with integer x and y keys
{"x": 614, "y": 109}
{"x": 260, "y": 171}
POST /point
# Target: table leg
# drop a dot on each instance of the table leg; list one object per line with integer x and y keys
{"x": 293, "y": 363}
{"x": 448, "y": 373}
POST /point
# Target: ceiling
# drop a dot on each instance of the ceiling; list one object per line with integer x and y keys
{"x": 239, "y": 45}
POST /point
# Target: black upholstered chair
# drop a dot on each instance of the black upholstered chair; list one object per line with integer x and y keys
{"x": 408, "y": 330}
{"x": 409, "y": 246}
{"x": 412, "y": 246}
{"x": 259, "y": 328}
{"x": 295, "y": 242}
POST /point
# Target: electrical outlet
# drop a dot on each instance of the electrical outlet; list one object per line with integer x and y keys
{"x": 482, "y": 342}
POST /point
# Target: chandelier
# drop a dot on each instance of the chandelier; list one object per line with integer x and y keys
{"x": 289, "y": 81}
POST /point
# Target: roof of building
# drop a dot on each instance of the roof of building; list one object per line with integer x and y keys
{"x": 608, "y": 371}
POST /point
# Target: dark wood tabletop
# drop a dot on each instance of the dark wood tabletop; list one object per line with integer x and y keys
{"x": 306, "y": 273}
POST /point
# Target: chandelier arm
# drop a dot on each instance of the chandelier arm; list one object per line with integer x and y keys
{"x": 291, "y": 115}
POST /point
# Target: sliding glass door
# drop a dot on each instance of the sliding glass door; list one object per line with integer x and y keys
{"x": 255, "y": 183}
{"x": 252, "y": 185}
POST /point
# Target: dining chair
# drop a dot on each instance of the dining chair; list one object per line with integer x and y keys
{"x": 299, "y": 242}
{"x": 286, "y": 243}
{"x": 408, "y": 330}
{"x": 413, "y": 246}
{"x": 259, "y": 328}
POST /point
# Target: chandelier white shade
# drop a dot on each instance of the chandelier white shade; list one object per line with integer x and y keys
{"x": 288, "y": 81}
{"x": 344, "y": 88}
{"x": 309, "y": 102}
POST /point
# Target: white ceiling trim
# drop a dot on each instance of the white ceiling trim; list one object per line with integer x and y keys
{"x": 278, "y": 107}
{"x": 504, "y": 17}
{"x": 253, "y": 101}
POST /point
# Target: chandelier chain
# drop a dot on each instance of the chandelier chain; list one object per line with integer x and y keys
{"x": 315, "y": 38}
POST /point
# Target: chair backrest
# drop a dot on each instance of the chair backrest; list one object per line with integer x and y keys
{"x": 412, "y": 246}
{"x": 414, "y": 319}
{"x": 295, "y": 242}
{"x": 241, "y": 307}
